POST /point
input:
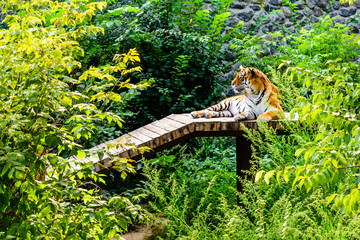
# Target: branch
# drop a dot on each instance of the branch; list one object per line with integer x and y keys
{"x": 354, "y": 166}
{"x": 89, "y": 183}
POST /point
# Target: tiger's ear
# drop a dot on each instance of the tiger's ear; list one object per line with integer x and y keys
{"x": 250, "y": 71}
{"x": 242, "y": 68}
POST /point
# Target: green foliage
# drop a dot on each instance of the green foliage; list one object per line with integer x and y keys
{"x": 181, "y": 48}
{"x": 351, "y": 2}
{"x": 298, "y": 174}
{"x": 310, "y": 47}
{"x": 330, "y": 109}
{"x": 199, "y": 203}
{"x": 107, "y": 92}
{"x": 324, "y": 41}
{"x": 44, "y": 195}
{"x": 187, "y": 189}
{"x": 292, "y": 6}
{"x": 275, "y": 213}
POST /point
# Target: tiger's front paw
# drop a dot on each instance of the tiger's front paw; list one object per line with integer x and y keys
{"x": 239, "y": 117}
{"x": 264, "y": 118}
{"x": 195, "y": 114}
{"x": 268, "y": 116}
{"x": 208, "y": 114}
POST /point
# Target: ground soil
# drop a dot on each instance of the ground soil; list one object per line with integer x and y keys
{"x": 138, "y": 233}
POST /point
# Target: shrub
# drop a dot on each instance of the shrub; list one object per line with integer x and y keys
{"x": 43, "y": 193}
{"x": 181, "y": 49}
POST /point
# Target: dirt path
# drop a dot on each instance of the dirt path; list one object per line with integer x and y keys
{"x": 137, "y": 234}
{"x": 156, "y": 228}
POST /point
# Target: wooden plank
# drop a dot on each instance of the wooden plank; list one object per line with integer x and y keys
{"x": 253, "y": 125}
{"x": 122, "y": 140}
{"x": 148, "y": 133}
{"x": 249, "y": 124}
{"x": 114, "y": 151}
{"x": 124, "y": 154}
{"x": 201, "y": 120}
{"x": 212, "y": 126}
{"x": 155, "y": 129}
{"x": 164, "y": 125}
{"x": 138, "y": 135}
{"x": 182, "y": 131}
{"x": 102, "y": 145}
{"x": 124, "y": 151}
{"x": 156, "y": 138}
{"x": 225, "y": 119}
{"x": 199, "y": 126}
{"x": 229, "y": 126}
{"x": 182, "y": 118}
{"x": 121, "y": 151}
{"x": 206, "y": 126}
{"x": 126, "y": 140}
{"x": 178, "y": 129}
{"x": 221, "y": 119}
{"x": 174, "y": 123}
{"x": 166, "y": 138}
{"x": 164, "y": 135}
{"x": 144, "y": 141}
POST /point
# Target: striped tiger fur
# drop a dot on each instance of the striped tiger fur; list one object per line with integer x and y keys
{"x": 261, "y": 99}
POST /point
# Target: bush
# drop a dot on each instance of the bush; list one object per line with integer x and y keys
{"x": 45, "y": 193}
{"x": 181, "y": 49}
{"x": 201, "y": 203}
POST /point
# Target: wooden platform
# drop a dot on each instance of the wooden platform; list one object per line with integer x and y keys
{"x": 170, "y": 131}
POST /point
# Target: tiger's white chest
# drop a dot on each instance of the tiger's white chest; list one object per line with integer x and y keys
{"x": 258, "y": 105}
{"x": 254, "y": 103}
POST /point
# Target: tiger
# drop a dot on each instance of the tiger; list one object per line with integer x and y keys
{"x": 260, "y": 99}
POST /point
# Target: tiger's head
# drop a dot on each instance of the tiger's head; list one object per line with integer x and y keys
{"x": 251, "y": 79}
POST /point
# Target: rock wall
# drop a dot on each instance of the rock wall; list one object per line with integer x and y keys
{"x": 290, "y": 13}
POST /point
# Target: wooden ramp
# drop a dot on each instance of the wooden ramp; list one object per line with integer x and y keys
{"x": 172, "y": 130}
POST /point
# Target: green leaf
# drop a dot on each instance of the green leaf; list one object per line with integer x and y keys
{"x": 302, "y": 181}
{"x": 258, "y": 175}
{"x": 357, "y": 40}
{"x": 46, "y": 211}
{"x": 80, "y": 154}
{"x": 347, "y": 138}
{"x": 337, "y": 141}
{"x": 334, "y": 163}
{"x": 123, "y": 223}
{"x": 293, "y": 114}
{"x": 24, "y": 186}
{"x": 123, "y": 175}
{"x": 299, "y": 151}
{"x": 308, "y": 184}
{"x": 5, "y": 169}
{"x": 268, "y": 175}
{"x": 307, "y": 81}
{"x": 17, "y": 184}
{"x": 286, "y": 175}
{"x": 308, "y": 154}
{"x": 339, "y": 201}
